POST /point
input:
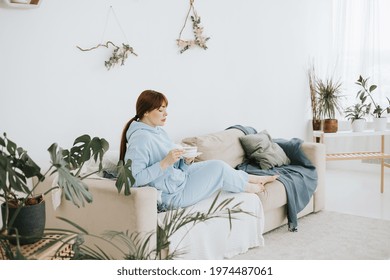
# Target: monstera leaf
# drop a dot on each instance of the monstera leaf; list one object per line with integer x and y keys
{"x": 84, "y": 148}
{"x": 73, "y": 187}
{"x": 15, "y": 167}
{"x": 125, "y": 177}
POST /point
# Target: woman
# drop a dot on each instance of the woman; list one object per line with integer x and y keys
{"x": 158, "y": 162}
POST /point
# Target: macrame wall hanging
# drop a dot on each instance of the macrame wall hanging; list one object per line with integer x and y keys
{"x": 199, "y": 40}
{"x": 119, "y": 53}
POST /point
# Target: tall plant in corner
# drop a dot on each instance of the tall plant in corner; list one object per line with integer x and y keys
{"x": 316, "y": 121}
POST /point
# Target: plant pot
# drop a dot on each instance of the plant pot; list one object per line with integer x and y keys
{"x": 30, "y": 222}
{"x": 330, "y": 125}
{"x": 358, "y": 125}
{"x": 316, "y": 124}
{"x": 380, "y": 124}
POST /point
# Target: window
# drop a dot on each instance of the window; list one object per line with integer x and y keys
{"x": 361, "y": 45}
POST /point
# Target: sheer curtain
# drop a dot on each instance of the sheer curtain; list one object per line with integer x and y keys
{"x": 361, "y": 45}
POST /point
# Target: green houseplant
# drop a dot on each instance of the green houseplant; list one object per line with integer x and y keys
{"x": 329, "y": 102}
{"x": 316, "y": 118}
{"x": 356, "y": 114}
{"x": 365, "y": 94}
{"x": 16, "y": 167}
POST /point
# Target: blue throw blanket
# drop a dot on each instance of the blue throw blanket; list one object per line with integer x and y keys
{"x": 299, "y": 177}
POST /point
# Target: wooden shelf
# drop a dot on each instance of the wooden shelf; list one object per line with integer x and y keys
{"x": 381, "y": 155}
{"x": 28, "y": 5}
{"x": 348, "y": 133}
{"x": 357, "y": 155}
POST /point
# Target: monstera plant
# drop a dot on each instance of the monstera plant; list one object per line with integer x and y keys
{"x": 20, "y": 199}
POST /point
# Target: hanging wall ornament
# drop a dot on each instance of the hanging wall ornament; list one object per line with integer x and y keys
{"x": 200, "y": 40}
{"x": 119, "y": 53}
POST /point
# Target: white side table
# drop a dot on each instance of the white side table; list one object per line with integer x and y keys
{"x": 358, "y": 155}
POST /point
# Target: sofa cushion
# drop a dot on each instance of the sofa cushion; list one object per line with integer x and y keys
{"x": 261, "y": 149}
{"x": 224, "y": 145}
{"x": 294, "y": 151}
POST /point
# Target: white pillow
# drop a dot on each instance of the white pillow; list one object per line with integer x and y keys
{"x": 224, "y": 145}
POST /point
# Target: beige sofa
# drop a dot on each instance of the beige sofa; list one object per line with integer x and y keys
{"x": 138, "y": 212}
{"x": 225, "y": 145}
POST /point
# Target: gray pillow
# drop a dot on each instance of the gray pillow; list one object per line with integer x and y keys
{"x": 260, "y": 148}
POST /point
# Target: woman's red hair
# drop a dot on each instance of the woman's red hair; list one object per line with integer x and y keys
{"x": 147, "y": 101}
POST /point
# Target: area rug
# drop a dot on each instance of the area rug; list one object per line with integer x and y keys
{"x": 326, "y": 236}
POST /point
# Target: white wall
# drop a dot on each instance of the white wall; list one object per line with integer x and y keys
{"x": 253, "y": 73}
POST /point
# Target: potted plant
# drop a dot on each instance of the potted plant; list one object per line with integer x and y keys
{"x": 365, "y": 92}
{"x": 316, "y": 121}
{"x": 329, "y": 101}
{"x": 355, "y": 114}
{"x": 16, "y": 167}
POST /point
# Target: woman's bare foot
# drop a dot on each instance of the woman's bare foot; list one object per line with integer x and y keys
{"x": 262, "y": 179}
{"x": 254, "y": 188}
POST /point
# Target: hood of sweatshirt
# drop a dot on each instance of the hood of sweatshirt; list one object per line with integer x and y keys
{"x": 136, "y": 126}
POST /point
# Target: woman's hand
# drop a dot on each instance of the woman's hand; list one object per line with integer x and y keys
{"x": 173, "y": 156}
{"x": 189, "y": 160}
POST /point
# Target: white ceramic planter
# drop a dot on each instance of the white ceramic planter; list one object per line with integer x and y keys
{"x": 380, "y": 124}
{"x": 358, "y": 125}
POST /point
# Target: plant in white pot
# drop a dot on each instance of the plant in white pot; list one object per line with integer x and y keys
{"x": 356, "y": 114}
{"x": 366, "y": 91}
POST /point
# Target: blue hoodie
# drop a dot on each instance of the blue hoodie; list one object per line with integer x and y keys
{"x": 147, "y": 146}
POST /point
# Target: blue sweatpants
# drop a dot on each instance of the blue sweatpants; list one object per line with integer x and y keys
{"x": 206, "y": 177}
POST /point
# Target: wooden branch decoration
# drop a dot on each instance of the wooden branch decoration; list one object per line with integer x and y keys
{"x": 119, "y": 54}
{"x": 200, "y": 40}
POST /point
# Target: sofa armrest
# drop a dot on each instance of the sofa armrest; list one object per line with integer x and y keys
{"x": 316, "y": 154}
{"x": 109, "y": 209}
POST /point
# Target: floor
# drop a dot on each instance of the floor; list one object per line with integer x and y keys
{"x": 357, "y": 192}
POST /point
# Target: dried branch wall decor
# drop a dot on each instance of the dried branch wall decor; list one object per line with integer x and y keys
{"x": 119, "y": 53}
{"x": 200, "y": 40}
